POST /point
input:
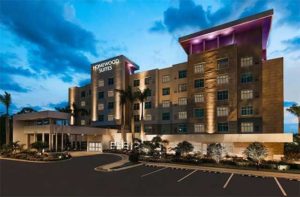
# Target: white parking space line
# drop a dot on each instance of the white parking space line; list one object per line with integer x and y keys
{"x": 154, "y": 172}
{"x": 228, "y": 181}
{"x": 280, "y": 187}
{"x": 187, "y": 176}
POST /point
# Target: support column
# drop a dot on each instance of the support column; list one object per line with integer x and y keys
{"x": 50, "y": 141}
{"x": 34, "y": 136}
{"x": 62, "y": 142}
{"x": 56, "y": 142}
{"x": 43, "y": 137}
{"x": 76, "y": 141}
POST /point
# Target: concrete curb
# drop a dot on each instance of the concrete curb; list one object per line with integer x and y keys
{"x": 127, "y": 167}
{"x": 108, "y": 167}
{"x": 227, "y": 170}
{"x": 29, "y": 161}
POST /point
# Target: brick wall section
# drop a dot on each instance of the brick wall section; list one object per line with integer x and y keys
{"x": 272, "y": 90}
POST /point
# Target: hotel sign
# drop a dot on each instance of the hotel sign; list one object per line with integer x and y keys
{"x": 106, "y": 66}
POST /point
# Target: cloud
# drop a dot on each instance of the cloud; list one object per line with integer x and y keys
{"x": 12, "y": 86}
{"x": 53, "y": 42}
{"x": 292, "y": 44}
{"x": 84, "y": 82}
{"x": 59, "y": 104}
{"x": 158, "y": 26}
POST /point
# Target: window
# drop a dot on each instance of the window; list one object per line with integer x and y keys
{"x": 149, "y": 92}
{"x": 82, "y": 94}
{"x": 101, "y": 83}
{"x": 100, "y": 106}
{"x": 165, "y": 91}
{"x": 166, "y": 116}
{"x": 182, "y": 87}
{"x": 199, "y": 98}
{"x": 101, "y": 118}
{"x": 223, "y": 126}
{"x": 148, "y": 80}
{"x": 222, "y": 79}
{"x": 246, "y": 94}
{"x": 182, "y": 128}
{"x": 248, "y": 110}
{"x": 110, "y": 117}
{"x": 82, "y": 103}
{"x": 148, "y": 105}
{"x": 100, "y": 95}
{"x": 222, "y": 95}
{"x": 110, "y": 81}
{"x": 199, "y": 83}
{"x": 136, "y": 118}
{"x": 222, "y": 63}
{"x": 199, "y": 68}
{"x": 136, "y": 82}
{"x": 182, "y": 115}
{"x": 110, "y": 105}
{"x": 148, "y": 128}
{"x": 246, "y": 77}
{"x": 165, "y": 104}
{"x": 246, "y": 61}
{"x": 247, "y": 127}
{"x": 199, "y": 113}
{"x": 148, "y": 117}
{"x": 222, "y": 111}
{"x": 199, "y": 128}
{"x": 166, "y": 78}
{"x": 82, "y": 122}
{"x": 137, "y": 128}
{"x": 110, "y": 93}
{"x": 136, "y": 106}
{"x": 182, "y": 74}
{"x": 182, "y": 101}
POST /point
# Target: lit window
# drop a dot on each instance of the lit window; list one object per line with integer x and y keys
{"x": 165, "y": 91}
{"x": 222, "y": 63}
{"x": 199, "y": 128}
{"x": 148, "y": 80}
{"x": 136, "y": 82}
{"x": 246, "y": 61}
{"x": 199, "y": 68}
{"x": 82, "y": 122}
{"x": 165, "y": 104}
{"x": 247, "y": 127}
{"x": 223, "y": 126}
{"x": 199, "y": 113}
{"x": 182, "y": 87}
{"x": 222, "y": 111}
{"x": 166, "y": 78}
{"x": 101, "y": 83}
{"x": 82, "y": 103}
{"x": 182, "y": 74}
{"x": 246, "y": 94}
{"x": 199, "y": 98}
{"x": 110, "y": 117}
{"x": 100, "y": 106}
{"x": 222, "y": 95}
{"x": 182, "y": 101}
{"x": 148, "y": 117}
{"x": 182, "y": 115}
{"x": 222, "y": 79}
{"x": 110, "y": 93}
{"x": 248, "y": 110}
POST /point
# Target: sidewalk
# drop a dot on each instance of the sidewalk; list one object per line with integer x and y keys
{"x": 227, "y": 170}
{"x": 108, "y": 167}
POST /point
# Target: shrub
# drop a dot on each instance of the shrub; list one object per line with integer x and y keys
{"x": 134, "y": 156}
{"x": 256, "y": 152}
{"x": 183, "y": 148}
{"x": 39, "y": 146}
{"x": 215, "y": 151}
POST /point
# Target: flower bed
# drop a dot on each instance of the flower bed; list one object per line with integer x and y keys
{"x": 37, "y": 156}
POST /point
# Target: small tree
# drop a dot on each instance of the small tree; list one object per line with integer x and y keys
{"x": 183, "y": 148}
{"x": 15, "y": 146}
{"x": 256, "y": 152}
{"x": 147, "y": 147}
{"x": 39, "y": 146}
{"x": 215, "y": 151}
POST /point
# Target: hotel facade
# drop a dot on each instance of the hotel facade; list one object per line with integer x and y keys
{"x": 226, "y": 92}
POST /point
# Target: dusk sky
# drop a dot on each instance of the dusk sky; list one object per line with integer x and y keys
{"x": 48, "y": 46}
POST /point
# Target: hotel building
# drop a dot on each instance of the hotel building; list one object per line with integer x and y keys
{"x": 227, "y": 91}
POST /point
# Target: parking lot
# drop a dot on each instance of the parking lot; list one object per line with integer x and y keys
{"x": 78, "y": 177}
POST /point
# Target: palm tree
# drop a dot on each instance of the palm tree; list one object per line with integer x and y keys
{"x": 294, "y": 109}
{"x": 65, "y": 109}
{"x": 25, "y": 110}
{"x": 142, "y": 96}
{"x": 123, "y": 101}
{"x": 131, "y": 97}
{"x": 76, "y": 112}
{"x": 5, "y": 99}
